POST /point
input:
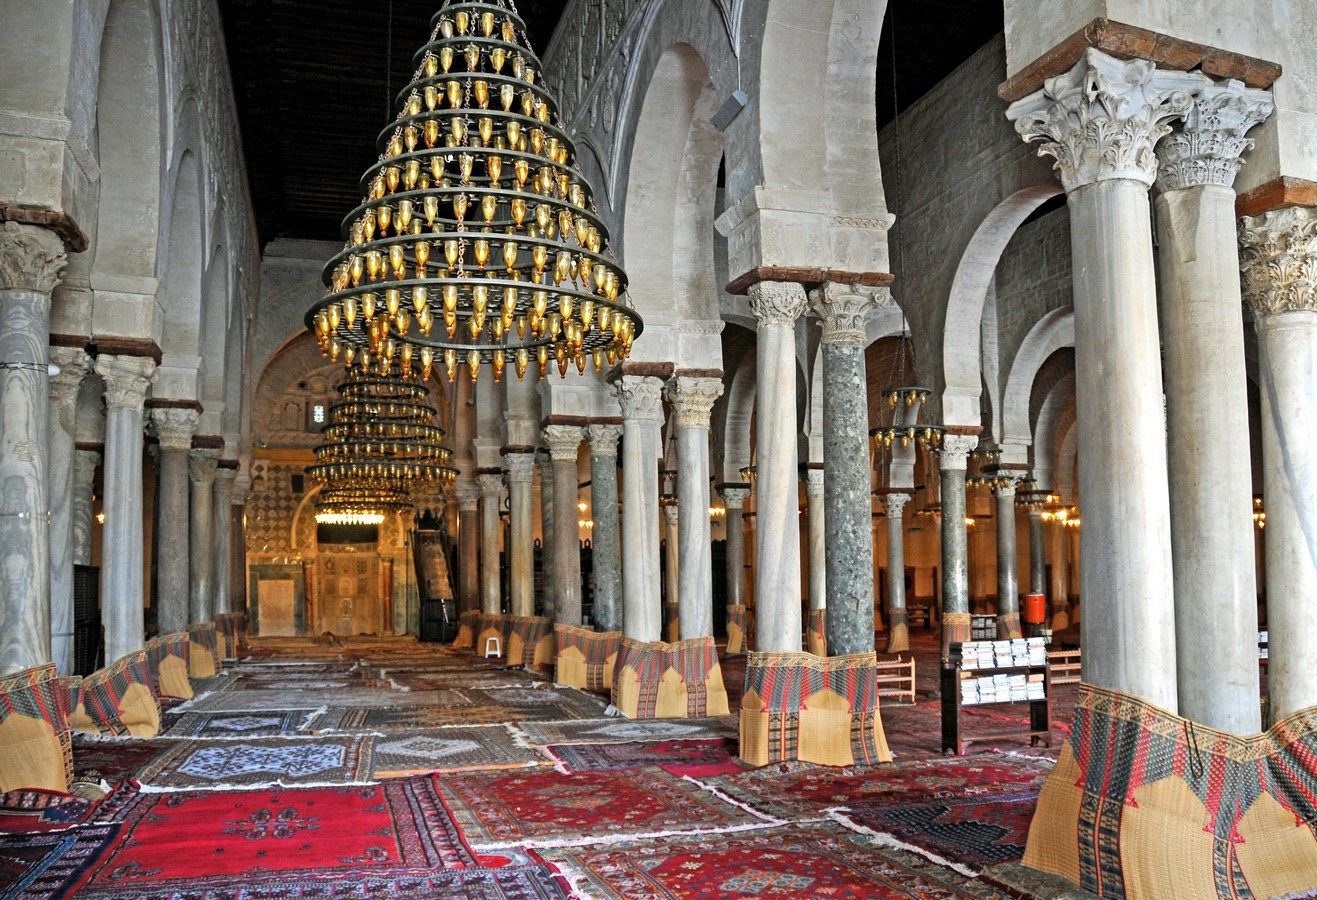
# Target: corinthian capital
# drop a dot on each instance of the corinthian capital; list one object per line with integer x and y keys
{"x": 603, "y": 439}
{"x": 1207, "y": 149}
{"x": 491, "y": 486}
{"x": 1278, "y": 260}
{"x": 521, "y": 468}
{"x": 563, "y": 441}
{"x": 954, "y": 450}
{"x": 1103, "y": 117}
{"x": 734, "y": 497}
{"x": 31, "y": 258}
{"x": 201, "y": 466}
{"x": 895, "y": 504}
{"x": 175, "y": 427}
{"x": 842, "y": 309}
{"x": 127, "y": 379}
{"x": 73, "y": 364}
{"x": 693, "y": 398}
{"x": 777, "y": 302}
{"x": 641, "y": 398}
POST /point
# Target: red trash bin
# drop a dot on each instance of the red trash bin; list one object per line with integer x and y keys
{"x": 1035, "y": 609}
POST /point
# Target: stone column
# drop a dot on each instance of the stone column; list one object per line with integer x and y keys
{"x": 1060, "y": 578}
{"x": 1101, "y": 120}
{"x": 564, "y": 443}
{"x": 818, "y": 543}
{"x": 952, "y": 460}
{"x": 1211, "y": 479}
{"x": 201, "y": 469}
{"x": 73, "y": 365}
{"x": 850, "y": 625}
{"x": 223, "y": 531}
{"x": 776, "y": 306}
{"x": 468, "y": 538}
{"x": 84, "y": 486}
{"x": 1278, "y": 250}
{"x": 734, "y": 499}
{"x": 31, "y": 261}
{"x": 1037, "y": 560}
{"x": 898, "y": 620}
{"x": 671, "y": 566}
{"x": 1008, "y": 580}
{"x": 491, "y": 497}
{"x": 521, "y": 532}
{"x": 607, "y": 556}
{"x": 692, "y": 400}
{"x": 127, "y": 379}
{"x": 641, "y": 398}
{"x": 547, "y": 520}
{"x": 174, "y": 427}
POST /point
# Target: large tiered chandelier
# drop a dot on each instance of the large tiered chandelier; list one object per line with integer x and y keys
{"x": 380, "y": 446}
{"x": 477, "y": 241}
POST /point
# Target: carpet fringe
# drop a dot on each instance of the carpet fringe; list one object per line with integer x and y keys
{"x": 734, "y": 802}
{"x": 594, "y": 840}
{"x": 262, "y": 786}
{"x": 884, "y": 839}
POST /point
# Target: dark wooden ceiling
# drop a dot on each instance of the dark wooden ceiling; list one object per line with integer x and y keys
{"x": 315, "y": 83}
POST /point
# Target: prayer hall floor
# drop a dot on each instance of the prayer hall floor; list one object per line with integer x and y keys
{"x": 386, "y": 767}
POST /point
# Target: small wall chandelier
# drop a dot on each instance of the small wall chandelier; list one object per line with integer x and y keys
{"x": 477, "y": 242}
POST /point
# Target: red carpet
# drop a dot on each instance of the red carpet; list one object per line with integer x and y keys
{"x": 31, "y": 811}
{"x": 677, "y": 757}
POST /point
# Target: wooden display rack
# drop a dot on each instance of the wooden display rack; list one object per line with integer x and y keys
{"x": 1040, "y": 711}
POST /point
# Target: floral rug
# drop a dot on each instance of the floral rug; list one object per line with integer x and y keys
{"x": 31, "y": 811}
{"x": 452, "y": 750}
{"x": 538, "y": 807}
{"x": 292, "y": 698}
{"x": 407, "y": 718}
{"x": 275, "y": 723}
{"x": 114, "y": 761}
{"x": 41, "y": 866}
{"x": 217, "y": 842}
{"x": 605, "y": 731}
{"x": 676, "y": 757}
{"x": 800, "y": 861}
{"x": 211, "y": 765}
{"x": 578, "y": 704}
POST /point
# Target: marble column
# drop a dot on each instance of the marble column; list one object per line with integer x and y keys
{"x": 1060, "y": 578}
{"x": 1008, "y": 580}
{"x": 692, "y": 401}
{"x": 174, "y": 428}
{"x": 31, "y": 262}
{"x": 898, "y": 619}
{"x": 1277, "y": 251}
{"x": 564, "y": 443}
{"x": 607, "y": 555}
{"x": 1211, "y": 478}
{"x": 818, "y": 543}
{"x": 1100, "y": 120}
{"x": 491, "y": 498}
{"x": 952, "y": 459}
{"x": 842, "y": 310}
{"x": 223, "y": 531}
{"x": 641, "y": 398}
{"x": 1037, "y": 559}
{"x": 468, "y": 540}
{"x": 549, "y": 589}
{"x": 776, "y": 306}
{"x": 73, "y": 364}
{"x": 671, "y": 568}
{"x": 127, "y": 379}
{"x": 201, "y": 470}
{"x": 734, "y": 499}
{"x": 84, "y": 487}
{"x": 521, "y": 532}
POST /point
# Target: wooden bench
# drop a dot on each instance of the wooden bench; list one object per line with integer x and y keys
{"x": 896, "y": 678}
{"x": 1065, "y": 666}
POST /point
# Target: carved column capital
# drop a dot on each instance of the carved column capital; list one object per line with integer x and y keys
{"x": 603, "y": 439}
{"x": 175, "y": 427}
{"x": 692, "y": 399}
{"x": 954, "y": 450}
{"x": 1006, "y": 488}
{"x": 641, "y": 398}
{"x": 563, "y": 441}
{"x": 73, "y": 364}
{"x": 843, "y": 308}
{"x": 468, "y": 495}
{"x": 224, "y": 479}
{"x": 1207, "y": 148}
{"x": 491, "y": 486}
{"x": 127, "y": 379}
{"x": 895, "y": 504}
{"x": 520, "y": 467}
{"x": 735, "y": 497}
{"x": 202, "y": 465}
{"x": 1278, "y": 260}
{"x": 1101, "y": 119}
{"x": 84, "y": 467}
{"x": 32, "y": 258}
{"x": 813, "y": 479}
{"x": 672, "y": 513}
{"x": 777, "y": 302}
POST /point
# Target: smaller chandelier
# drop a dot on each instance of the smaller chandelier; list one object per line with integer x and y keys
{"x": 905, "y": 404}
{"x": 1037, "y": 499}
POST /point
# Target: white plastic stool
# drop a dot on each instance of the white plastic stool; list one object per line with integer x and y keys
{"x": 493, "y": 646}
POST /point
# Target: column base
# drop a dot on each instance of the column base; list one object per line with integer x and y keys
{"x": 739, "y": 628}
{"x": 466, "y": 630}
{"x": 955, "y": 630}
{"x": 672, "y": 622}
{"x": 1008, "y": 627}
{"x": 816, "y": 635}
{"x": 898, "y": 635}
{"x": 798, "y": 706}
{"x": 586, "y": 658}
{"x": 203, "y": 654}
{"x": 531, "y": 643}
{"x": 1119, "y": 827}
{"x": 676, "y": 680}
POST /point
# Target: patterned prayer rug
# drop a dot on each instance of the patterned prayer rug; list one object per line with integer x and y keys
{"x": 617, "y": 731}
{"x": 410, "y": 717}
{"x": 977, "y": 831}
{"x": 236, "y": 725}
{"x": 113, "y": 761}
{"x": 30, "y": 811}
{"x": 801, "y": 861}
{"x": 583, "y": 705}
{"x": 266, "y": 700}
{"x": 671, "y": 755}
{"x": 544, "y": 807}
{"x": 261, "y": 762}
{"x": 804, "y": 790}
{"x": 452, "y": 750}
{"x": 212, "y": 843}
{"x": 40, "y": 866}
